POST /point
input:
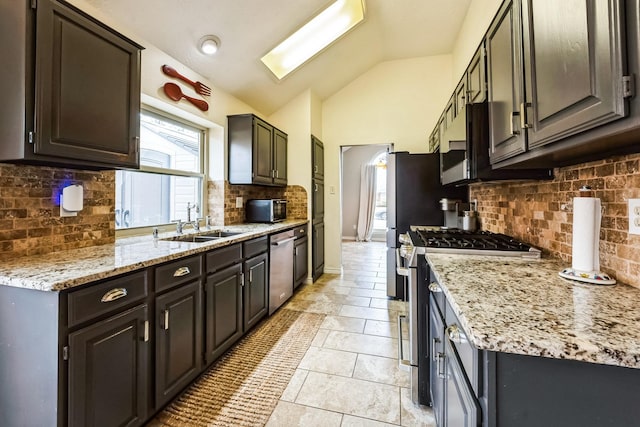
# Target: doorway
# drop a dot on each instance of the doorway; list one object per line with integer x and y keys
{"x": 354, "y": 202}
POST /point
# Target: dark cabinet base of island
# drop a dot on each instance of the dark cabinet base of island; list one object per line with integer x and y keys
{"x": 472, "y": 388}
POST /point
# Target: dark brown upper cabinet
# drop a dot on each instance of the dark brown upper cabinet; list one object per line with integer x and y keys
{"x": 574, "y": 67}
{"x": 505, "y": 83}
{"x": 318, "y": 158}
{"x": 71, "y": 86}
{"x": 257, "y": 151}
{"x": 559, "y": 81}
{"x": 476, "y": 78}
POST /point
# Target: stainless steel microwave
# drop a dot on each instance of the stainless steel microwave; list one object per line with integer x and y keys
{"x": 265, "y": 210}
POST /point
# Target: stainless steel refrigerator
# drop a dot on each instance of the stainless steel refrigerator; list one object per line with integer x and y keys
{"x": 413, "y": 194}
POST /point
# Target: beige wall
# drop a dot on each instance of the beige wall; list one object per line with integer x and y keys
{"x": 395, "y": 102}
{"x": 474, "y": 27}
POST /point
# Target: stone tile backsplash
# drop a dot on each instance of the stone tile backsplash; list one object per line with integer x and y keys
{"x": 30, "y": 221}
{"x": 539, "y": 212}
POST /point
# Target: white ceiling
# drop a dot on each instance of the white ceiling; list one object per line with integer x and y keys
{"x": 393, "y": 29}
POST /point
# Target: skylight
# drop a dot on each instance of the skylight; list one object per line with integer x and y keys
{"x": 324, "y": 29}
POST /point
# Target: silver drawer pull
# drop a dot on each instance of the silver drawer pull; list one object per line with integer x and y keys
{"x": 114, "y": 294}
{"x": 440, "y": 365}
{"x": 433, "y": 287}
{"x": 182, "y": 271}
{"x": 146, "y": 331}
{"x": 453, "y": 332}
{"x": 166, "y": 320}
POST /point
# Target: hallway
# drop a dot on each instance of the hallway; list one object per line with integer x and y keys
{"x": 350, "y": 376}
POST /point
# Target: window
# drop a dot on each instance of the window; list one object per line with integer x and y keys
{"x": 170, "y": 176}
{"x": 380, "y": 215}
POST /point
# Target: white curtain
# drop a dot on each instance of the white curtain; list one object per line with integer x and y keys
{"x": 367, "y": 202}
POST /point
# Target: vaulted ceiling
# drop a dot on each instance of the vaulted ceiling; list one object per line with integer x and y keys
{"x": 393, "y": 29}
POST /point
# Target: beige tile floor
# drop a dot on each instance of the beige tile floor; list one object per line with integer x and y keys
{"x": 349, "y": 376}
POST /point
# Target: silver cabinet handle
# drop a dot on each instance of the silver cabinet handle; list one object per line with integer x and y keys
{"x": 512, "y": 129}
{"x": 453, "y": 332}
{"x": 251, "y": 276}
{"x": 523, "y": 115}
{"x": 166, "y": 320}
{"x": 315, "y": 187}
{"x": 434, "y": 353}
{"x": 434, "y": 287}
{"x": 182, "y": 271}
{"x": 440, "y": 365}
{"x": 315, "y": 168}
{"x": 114, "y": 294}
{"x": 242, "y": 279}
{"x": 146, "y": 331}
{"x": 401, "y": 359}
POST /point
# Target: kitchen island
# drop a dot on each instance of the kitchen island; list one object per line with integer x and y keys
{"x": 545, "y": 350}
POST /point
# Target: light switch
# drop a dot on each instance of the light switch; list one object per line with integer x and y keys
{"x": 332, "y": 189}
{"x": 238, "y": 202}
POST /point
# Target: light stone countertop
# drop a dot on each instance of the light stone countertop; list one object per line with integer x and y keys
{"x": 62, "y": 270}
{"x": 522, "y": 306}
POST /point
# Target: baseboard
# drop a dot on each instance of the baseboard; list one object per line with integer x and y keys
{"x": 333, "y": 270}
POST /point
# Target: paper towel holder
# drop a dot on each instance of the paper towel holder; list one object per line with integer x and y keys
{"x": 593, "y": 277}
{"x": 71, "y": 200}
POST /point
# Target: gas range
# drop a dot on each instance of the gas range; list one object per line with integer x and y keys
{"x": 455, "y": 241}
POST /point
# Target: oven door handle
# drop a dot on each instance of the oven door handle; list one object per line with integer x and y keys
{"x": 402, "y": 271}
{"x": 404, "y": 364}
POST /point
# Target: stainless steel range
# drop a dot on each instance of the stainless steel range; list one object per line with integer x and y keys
{"x": 411, "y": 263}
{"x": 455, "y": 241}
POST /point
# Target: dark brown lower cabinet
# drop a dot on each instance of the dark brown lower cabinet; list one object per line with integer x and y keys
{"x": 178, "y": 340}
{"x": 108, "y": 375}
{"x": 223, "y": 311}
{"x": 300, "y": 259}
{"x": 256, "y": 295}
{"x": 317, "y": 253}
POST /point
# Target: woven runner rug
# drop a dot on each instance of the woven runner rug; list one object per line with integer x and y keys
{"x": 244, "y": 385}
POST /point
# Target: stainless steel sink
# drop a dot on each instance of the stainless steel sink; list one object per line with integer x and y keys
{"x": 218, "y": 234}
{"x": 204, "y": 237}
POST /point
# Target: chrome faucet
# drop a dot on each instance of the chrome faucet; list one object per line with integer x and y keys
{"x": 180, "y": 225}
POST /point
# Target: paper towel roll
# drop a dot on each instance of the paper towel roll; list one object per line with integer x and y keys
{"x": 586, "y": 234}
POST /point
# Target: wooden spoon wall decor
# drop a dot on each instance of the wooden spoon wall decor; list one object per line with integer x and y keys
{"x": 174, "y": 92}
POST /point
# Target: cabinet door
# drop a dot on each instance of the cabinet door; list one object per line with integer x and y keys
{"x": 87, "y": 89}
{"x": 574, "y": 66}
{"x": 318, "y": 158}
{"x": 436, "y": 359}
{"x": 178, "y": 340}
{"x": 505, "y": 83}
{"x": 461, "y": 408}
{"x": 300, "y": 260}
{"x": 317, "y": 200}
{"x": 461, "y": 96}
{"x": 317, "y": 251}
{"x": 279, "y": 157}
{"x": 108, "y": 371}
{"x": 256, "y": 295}
{"x": 476, "y": 78}
{"x": 262, "y": 152}
{"x": 223, "y": 311}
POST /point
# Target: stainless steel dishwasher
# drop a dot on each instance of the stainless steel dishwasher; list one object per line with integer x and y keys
{"x": 280, "y": 268}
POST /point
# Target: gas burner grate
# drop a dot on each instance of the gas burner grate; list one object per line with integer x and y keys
{"x": 480, "y": 240}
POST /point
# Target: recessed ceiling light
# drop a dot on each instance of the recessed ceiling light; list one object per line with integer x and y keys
{"x": 209, "y": 45}
{"x": 324, "y": 29}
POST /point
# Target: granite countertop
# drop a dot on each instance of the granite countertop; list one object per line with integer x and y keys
{"x": 62, "y": 270}
{"x": 522, "y": 306}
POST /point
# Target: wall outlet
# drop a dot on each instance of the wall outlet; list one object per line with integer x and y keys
{"x": 238, "y": 202}
{"x": 634, "y": 216}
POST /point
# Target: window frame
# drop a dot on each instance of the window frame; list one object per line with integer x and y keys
{"x": 203, "y": 166}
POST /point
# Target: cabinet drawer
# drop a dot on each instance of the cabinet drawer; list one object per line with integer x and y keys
{"x": 300, "y": 231}
{"x": 220, "y": 258}
{"x": 106, "y": 297}
{"x": 255, "y": 246}
{"x": 468, "y": 354}
{"x": 178, "y": 272}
